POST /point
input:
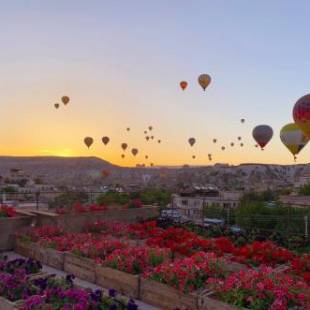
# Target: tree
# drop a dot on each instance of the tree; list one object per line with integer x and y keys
{"x": 305, "y": 190}
{"x": 68, "y": 199}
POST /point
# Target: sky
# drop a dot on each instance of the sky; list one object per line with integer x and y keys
{"x": 121, "y": 63}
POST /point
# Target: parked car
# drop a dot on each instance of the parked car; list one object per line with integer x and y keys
{"x": 208, "y": 222}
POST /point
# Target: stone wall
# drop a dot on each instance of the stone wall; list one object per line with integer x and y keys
{"x": 8, "y": 226}
{"x": 76, "y": 222}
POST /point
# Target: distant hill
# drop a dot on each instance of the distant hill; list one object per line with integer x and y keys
{"x": 82, "y": 171}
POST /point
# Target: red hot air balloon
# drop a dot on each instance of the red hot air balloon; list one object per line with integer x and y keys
{"x": 301, "y": 114}
{"x": 134, "y": 151}
{"x": 105, "y": 140}
{"x": 262, "y": 134}
{"x": 88, "y": 141}
{"x": 183, "y": 84}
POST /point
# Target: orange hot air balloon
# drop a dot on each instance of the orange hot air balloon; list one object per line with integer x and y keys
{"x": 88, "y": 141}
{"x": 56, "y": 105}
{"x": 124, "y": 146}
{"x": 301, "y": 114}
{"x": 204, "y": 80}
{"x": 105, "y": 140}
{"x": 191, "y": 141}
{"x": 183, "y": 84}
{"x": 65, "y": 99}
{"x": 134, "y": 151}
{"x": 262, "y": 134}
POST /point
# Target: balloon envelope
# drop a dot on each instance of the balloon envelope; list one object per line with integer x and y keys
{"x": 262, "y": 134}
{"x": 293, "y": 138}
{"x": 183, "y": 84}
{"x": 134, "y": 151}
{"x": 191, "y": 141}
{"x": 124, "y": 146}
{"x": 65, "y": 99}
{"x": 301, "y": 114}
{"x": 88, "y": 141}
{"x": 204, "y": 80}
{"x": 105, "y": 140}
{"x": 56, "y": 105}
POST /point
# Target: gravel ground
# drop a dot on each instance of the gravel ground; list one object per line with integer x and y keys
{"x": 82, "y": 283}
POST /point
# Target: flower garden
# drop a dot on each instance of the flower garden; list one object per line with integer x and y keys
{"x": 174, "y": 267}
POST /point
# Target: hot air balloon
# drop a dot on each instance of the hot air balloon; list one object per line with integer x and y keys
{"x": 223, "y": 148}
{"x": 232, "y": 144}
{"x": 145, "y": 132}
{"x": 204, "y": 80}
{"x": 88, "y": 141}
{"x": 124, "y": 146}
{"x": 301, "y": 114}
{"x": 256, "y": 145}
{"x": 191, "y": 141}
{"x": 152, "y": 137}
{"x": 56, "y": 105}
{"x": 150, "y": 128}
{"x": 146, "y": 157}
{"x": 214, "y": 140}
{"x": 293, "y": 138}
{"x": 128, "y": 128}
{"x": 242, "y": 120}
{"x": 183, "y": 84}
{"x": 209, "y": 155}
{"x": 105, "y": 140}
{"x": 239, "y": 138}
{"x": 159, "y": 141}
{"x": 134, "y": 151}
{"x": 151, "y": 164}
{"x": 123, "y": 155}
{"x": 65, "y": 99}
{"x": 194, "y": 156}
{"x": 147, "y": 138}
{"x": 241, "y": 144}
{"x": 262, "y": 134}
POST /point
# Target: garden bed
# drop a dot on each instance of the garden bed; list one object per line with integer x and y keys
{"x": 81, "y": 267}
{"x": 123, "y": 282}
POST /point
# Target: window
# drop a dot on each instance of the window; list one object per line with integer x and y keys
{"x": 184, "y": 202}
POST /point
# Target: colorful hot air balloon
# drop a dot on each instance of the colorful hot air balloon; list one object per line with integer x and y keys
{"x": 88, "y": 141}
{"x": 65, "y": 99}
{"x": 301, "y": 114}
{"x": 204, "y": 80}
{"x": 293, "y": 138}
{"x": 105, "y": 140}
{"x": 124, "y": 146}
{"x": 191, "y": 141}
{"x": 183, "y": 84}
{"x": 262, "y": 134}
{"x": 56, "y": 105}
{"x": 134, "y": 151}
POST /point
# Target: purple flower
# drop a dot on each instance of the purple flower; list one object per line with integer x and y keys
{"x": 132, "y": 305}
{"x": 112, "y": 292}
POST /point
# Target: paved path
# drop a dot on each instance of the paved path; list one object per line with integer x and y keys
{"x": 81, "y": 283}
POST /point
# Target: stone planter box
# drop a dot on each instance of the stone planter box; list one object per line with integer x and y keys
{"x": 207, "y": 302}
{"x": 5, "y": 304}
{"x": 81, "y": 267}
{"x": 125, "y": 283}
{"x": 166, "y": 297}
